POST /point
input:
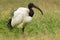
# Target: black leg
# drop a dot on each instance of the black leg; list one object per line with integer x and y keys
{"x": 9, "y": 24}
{"x": 23, "y": 29}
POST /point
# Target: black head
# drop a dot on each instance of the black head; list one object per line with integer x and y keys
{"x": 31, "y": 5}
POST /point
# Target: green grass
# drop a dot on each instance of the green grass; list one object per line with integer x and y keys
{"x": 42, "y": 27}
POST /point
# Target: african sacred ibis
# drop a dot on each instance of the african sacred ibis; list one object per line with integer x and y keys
{"x": 22, "y": 15}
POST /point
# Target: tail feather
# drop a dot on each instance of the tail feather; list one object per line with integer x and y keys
{"x": 9, "y": 24}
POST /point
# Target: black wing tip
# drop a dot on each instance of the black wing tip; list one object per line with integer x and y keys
{"x": 9, "y": 24}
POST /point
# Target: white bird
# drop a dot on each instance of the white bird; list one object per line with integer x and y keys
{"x": 22, "y": 16}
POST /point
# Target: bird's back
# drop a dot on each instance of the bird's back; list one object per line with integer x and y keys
{"x": 21, "y": 10}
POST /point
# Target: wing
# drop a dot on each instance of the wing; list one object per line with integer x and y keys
{"x": 19, "y": 15}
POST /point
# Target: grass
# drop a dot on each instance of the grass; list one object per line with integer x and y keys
{"x": 42, "y": 27}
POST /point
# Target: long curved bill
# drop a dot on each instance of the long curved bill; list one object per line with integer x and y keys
{"x": 38, "y": 9}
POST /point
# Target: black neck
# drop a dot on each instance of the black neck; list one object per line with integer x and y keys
{"x": 31, "y": 13}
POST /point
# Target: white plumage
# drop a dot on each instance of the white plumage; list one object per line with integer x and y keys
{"x": 20, "y": 17}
